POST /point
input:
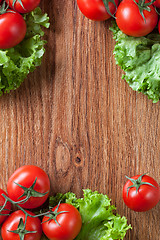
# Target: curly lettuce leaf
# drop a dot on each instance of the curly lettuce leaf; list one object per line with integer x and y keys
{"x": 139, "y": 57}
{"x": 98, "y": 218}
{"x": 64, "y": 198}
{"x": 17, "y": 62}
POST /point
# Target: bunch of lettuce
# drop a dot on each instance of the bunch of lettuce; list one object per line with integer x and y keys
{"x": 98, "y": 219}
{"x": 139, "y": 57}
{"x": 17, "y": 62}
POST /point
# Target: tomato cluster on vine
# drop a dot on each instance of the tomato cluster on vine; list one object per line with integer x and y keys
{"x": 12, "y": 24}
{"x": 27, "y": 189}
{"x": 135, "y": 18}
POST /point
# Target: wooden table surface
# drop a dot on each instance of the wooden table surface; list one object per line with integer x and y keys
{"x": 78, "y": 120}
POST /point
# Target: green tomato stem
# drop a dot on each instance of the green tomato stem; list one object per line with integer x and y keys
{"x": 137, "y": 183}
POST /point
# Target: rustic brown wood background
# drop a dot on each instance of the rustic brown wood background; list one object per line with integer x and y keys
{"x": 78, "y": 120}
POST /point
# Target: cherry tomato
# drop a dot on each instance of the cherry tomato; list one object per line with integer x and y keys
{"x": 12, "y": 29}
{"x": 95, "y": 9}
{"x": 7, "y": 207}
{"x": 68, "y": 223}
{"x": 15, "y": 222}
{"x": 141, "y": 193}
{"x": 130, "y": 20}
{"x": 23, "y": 6}
{"x": 29, "y": 179}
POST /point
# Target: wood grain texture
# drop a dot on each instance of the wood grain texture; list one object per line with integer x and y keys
{"x": 78, "y": 120}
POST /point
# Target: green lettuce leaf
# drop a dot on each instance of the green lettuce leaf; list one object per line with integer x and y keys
{"x": 64, "y": 198}
{"x": 17, "y": 62}
{"x": 139, "y": 57}
{"x": 98, "y": 218}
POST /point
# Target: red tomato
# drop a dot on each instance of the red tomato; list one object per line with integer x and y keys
{"x": 138, "y": 195}
{"x": 68, "y": 226}
{"x": 157, "y": 3}
{"x": 7, "y": 207}
{"x": 12, "y": 29}
{"x": 23, "y": 6}
{"x": 95, "y": 9}
{"x": 26, "y": 176}
{"x": 12, "y": 223}
{"x": 131, "y": 22}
